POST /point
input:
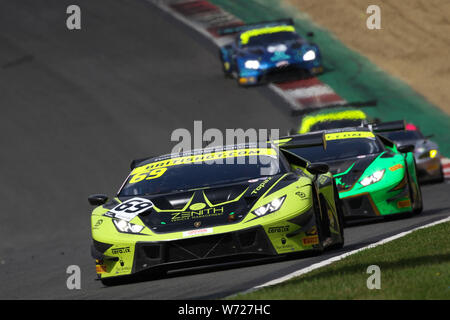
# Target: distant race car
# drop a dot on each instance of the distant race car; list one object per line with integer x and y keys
{"x": 179, "y": 210}
{"x": 374, "y": 176}
{"x": 426, "y": 152}
{"x": 326, "y": 120}
{"x": 268, "y": 51}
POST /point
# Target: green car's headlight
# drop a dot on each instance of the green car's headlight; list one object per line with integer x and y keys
{"x": 374, "y": 177}
{"x": 272, "y": 206}
{"x": 125, "y": 226}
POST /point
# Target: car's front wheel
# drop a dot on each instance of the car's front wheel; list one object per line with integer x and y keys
{"x": 340, "y": 215}
{"x": 226, "y": 67}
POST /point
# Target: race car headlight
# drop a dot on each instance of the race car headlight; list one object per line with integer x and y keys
{"x": 125, "y": 226}
{"x": 309, "y": 55}
{"x": 374, "y": 177}
{"x": 433, "y": 153}
{"x": 252, "y": 64}
{"x": 429, "y": 154}
{"x": 272, "y": 206}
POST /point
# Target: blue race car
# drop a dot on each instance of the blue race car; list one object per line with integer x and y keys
{"x": 268, "y": 52}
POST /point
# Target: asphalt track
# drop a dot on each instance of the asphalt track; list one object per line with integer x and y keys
{"x": 77, "y": 106}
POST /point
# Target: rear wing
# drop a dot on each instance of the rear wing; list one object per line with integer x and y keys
{"x": 388, "y": 126}
{"x": 302, "y": 141}
{"x": 236, "y": 29}
{"x": 381, "y": 127}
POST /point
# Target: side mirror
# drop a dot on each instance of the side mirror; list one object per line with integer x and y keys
{"x": 429, "y": 136}
{"x": 406, "y": 148}
{"x": 310, "y": 34}
{"x": 97, "y": 199}
{"x": 292, "y": 132}
{"x": 317, "y": 168}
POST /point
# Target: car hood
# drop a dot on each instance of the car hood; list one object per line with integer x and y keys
{"x": 420, "y": 145}
{"x": 207, "y": 207}
{"x": 348, "y": 171}
{"x": 275, "y": 52}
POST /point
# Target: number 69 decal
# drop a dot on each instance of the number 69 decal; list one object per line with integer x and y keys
{"x": 129, "y": 209}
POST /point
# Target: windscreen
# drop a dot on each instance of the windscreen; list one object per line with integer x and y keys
{"x": 340, "y": 149}
{"x": 335, "y": 124}
{"x": 264, "y": 39}
{"x": 185, "y": 173}
{"x": 403, "y": 135}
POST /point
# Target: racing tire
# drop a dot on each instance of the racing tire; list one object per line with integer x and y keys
{"x": 318, "y": 219}
{"x": 226, "y": 73}
{"x": 415, "y": 209}
{"x": 419, "y": 208}
{"x": 441, "y": 177}
{"x": 340, "y": 214}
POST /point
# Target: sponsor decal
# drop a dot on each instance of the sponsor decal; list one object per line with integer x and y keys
{"x": 197, "y": 232}
{"x": 120, "y": 250}
{"x": 433, "y": 166}
{"x": 323, "y": 180}
{"x": 203, "y": 157}
{"x": 204, "y": 213}
{"x": 278, "y": 229}
{"x": 340, "y": 183}
{"x": 156, "y": 169}
{"x": 279, "y": 55}
{"x": 311, "y": 240}
{"x": 404, "y": 204}
{"x": 261, "y": 185}
{"x": 98, "y": 224}
{"x": 197, "y": 206}
{"x": 100, "y": 268}
{"x": 122, "y": 268}
{"x": 302, "y": 195}
{"x": 349, "y": 135}
{"x": 396, "y": 167}
{"x": 284, "y": 246}
{"x": 129, "y": 209}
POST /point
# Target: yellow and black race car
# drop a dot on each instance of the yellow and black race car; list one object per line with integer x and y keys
{"x": 209, "y": 206}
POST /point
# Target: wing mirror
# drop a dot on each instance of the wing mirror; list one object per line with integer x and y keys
{"x": 406, "y": 148}
{"x": 317, "y": 168}
{"x": 97, "y": 199}
{"x": 292, "y": 132}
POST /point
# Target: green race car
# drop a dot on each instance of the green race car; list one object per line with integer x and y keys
{"x": 374, "y": 176}
{"x": 209, "y": 206}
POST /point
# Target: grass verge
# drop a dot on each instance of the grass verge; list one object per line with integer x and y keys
{"x": 416, "y": 266}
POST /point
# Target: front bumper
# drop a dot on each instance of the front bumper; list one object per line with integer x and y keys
{"x": 392, "y": 200}
{"x": 429, "y": 169}
{"x": 205, "y": 250}
{"x": 262, "y": 241}
{"x": 252, "y": 242}
{"x": 291, "y": 71}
